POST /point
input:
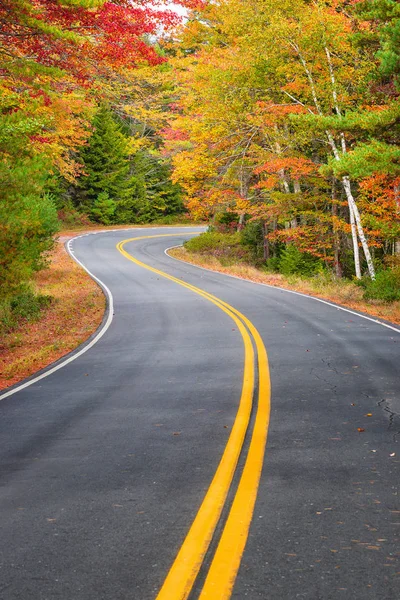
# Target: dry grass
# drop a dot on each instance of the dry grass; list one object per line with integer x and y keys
{"x": 344, "y": 293}
{"x": 75, "y": 313}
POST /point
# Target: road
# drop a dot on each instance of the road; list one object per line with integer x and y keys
{"x": 105, "y": 462}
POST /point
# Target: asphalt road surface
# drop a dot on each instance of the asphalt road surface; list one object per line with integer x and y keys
{"x": 105, "y": 462}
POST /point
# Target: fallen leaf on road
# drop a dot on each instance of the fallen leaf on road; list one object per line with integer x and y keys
{"x": 360, "y": 429}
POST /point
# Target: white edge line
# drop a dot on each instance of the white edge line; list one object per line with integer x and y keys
{"x": 275, "y": 287}
{"x": 89, "y": 345}
{"x": 106, "y": 325}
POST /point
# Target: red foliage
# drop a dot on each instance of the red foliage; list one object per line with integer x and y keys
{"x": 297, "y": 166}
{"x": 108, "y": 37}
{"x": 174, "y": 134}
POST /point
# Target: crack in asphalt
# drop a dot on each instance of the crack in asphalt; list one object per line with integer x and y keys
{"x": 328, "y": 364}
{"x": 332, "y": 386}
{"x": 392, "y": 418}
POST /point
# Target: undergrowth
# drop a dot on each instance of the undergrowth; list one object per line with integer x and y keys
{"x": 24, "y": 306}
{"x": 239, "y": 254}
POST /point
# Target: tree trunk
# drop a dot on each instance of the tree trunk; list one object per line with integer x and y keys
{"x": 356, "y": 250}
{"x": 355, "y": 221}
{"x": 397, "y": 199}
{"x": 360, "y": 230}
{"x": 336, "y": 237}
{"x": 266, "y": 252}
{"x": 241, "y": 222}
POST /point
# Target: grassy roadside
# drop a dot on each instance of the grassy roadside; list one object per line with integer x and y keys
{"x": 75, "y": 312}
{"x": 344, "y": 293}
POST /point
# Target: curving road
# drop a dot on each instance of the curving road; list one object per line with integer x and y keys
{"x": 105, "y": 462}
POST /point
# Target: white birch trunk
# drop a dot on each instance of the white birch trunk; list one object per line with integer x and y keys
{"x": 397, "y": 199}
{"x": 356, "y": 249}
{"x": 353, "y": 209}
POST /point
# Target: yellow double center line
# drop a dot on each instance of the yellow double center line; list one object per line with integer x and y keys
{"x": 226, "y": 561}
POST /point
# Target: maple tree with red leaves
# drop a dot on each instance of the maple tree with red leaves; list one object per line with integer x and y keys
{"x": 82, "y": 38}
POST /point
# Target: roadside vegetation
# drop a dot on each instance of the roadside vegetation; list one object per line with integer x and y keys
{"x": 276, "y": 122}
{"x": 239, "y": 254}
{"x": 60, "y": 310}
{"x": 287, "y": 141}
{"x": 80, "y": 133}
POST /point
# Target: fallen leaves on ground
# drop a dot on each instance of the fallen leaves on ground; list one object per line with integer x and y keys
{"x": 75, "y": 313}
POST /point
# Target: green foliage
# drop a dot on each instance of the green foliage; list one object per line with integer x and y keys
{"x": 70, "y": 216}
{"x": 29, "y": 221}
{"x": 106, "y": 164}
{"x": 294, "y": 262}
{"x": 367, "y": 159}
{"x": 24, "y": 305}
{"x": 138, "y": 186}
{"x": 252, "y": 237}
{"x": 385, "y": 287}
{"x": 212, "y": 240}
{"x": 153, "y": 195}
{"x": 360, "y": 122}
{"x": 103, "y": 209}
{"x": 226, "y": 221}
{"x": 226, "y": 247}
{"x": 272, "y": 264}
{"x": 245, "y": 247}
{"x": 385, "y": 14}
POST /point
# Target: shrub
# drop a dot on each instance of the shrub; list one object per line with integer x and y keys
{"x": 272, "y": 264}
{"x": 226, "y": 247}
{"x": 294, "y": 262}
{"x": 211, "y": 241}
{"x": 25, "y": 304}
{"x": 386, "y": 286}
{"x": 226, "y": 221}
{"x": 252, "y": 237}
{"x": 71, "y": 217}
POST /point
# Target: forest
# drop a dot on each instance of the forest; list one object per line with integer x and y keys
{"x": 276, "y": 123}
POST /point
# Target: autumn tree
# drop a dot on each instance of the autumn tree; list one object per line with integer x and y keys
{"x": 58, "y": 60}
{"x": 277, "y": 102}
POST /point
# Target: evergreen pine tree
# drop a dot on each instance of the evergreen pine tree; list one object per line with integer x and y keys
{"x": 385, "y": 14}
{"x": 154, "y": 196}
{"x": 106, "y": 163}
